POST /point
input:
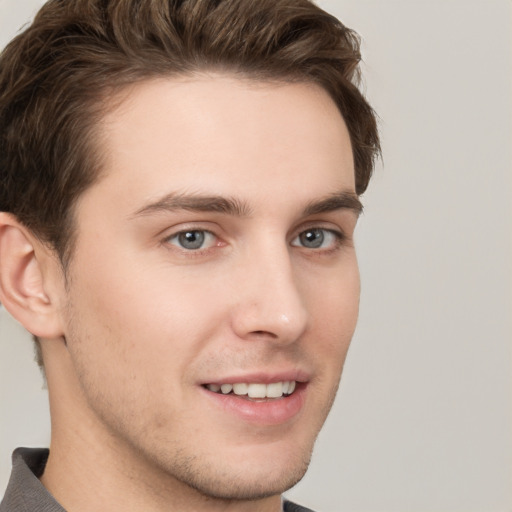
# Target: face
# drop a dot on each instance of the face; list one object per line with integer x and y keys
{"x": 214, "y": 288}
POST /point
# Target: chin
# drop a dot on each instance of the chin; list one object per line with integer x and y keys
{"x": 248, "y": 476}
{"x": 246, "y": 484}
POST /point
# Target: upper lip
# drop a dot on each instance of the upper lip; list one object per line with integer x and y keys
{"x": 262, "y": 377}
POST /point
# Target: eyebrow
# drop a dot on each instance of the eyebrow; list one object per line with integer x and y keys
{"x": 200, "y": 203}
{"x": 345, "y": 200}
{"x": 338, "y": 201}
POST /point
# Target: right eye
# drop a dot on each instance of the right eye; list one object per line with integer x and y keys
{"x": 192, "y": 239}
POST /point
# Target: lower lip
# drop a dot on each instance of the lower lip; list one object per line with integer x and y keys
{"x": 268, "y": 412}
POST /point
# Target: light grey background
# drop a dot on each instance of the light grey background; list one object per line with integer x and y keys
{"x": 423, "y": 421}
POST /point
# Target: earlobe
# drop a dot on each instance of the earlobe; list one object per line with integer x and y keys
{"x": 22, "y": 289}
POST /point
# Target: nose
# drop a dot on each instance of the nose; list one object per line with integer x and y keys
{"x": 269, "y": 300}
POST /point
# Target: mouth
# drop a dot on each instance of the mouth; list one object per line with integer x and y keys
{"x": 255, "y": 391}
{"x": 260, "y": 398}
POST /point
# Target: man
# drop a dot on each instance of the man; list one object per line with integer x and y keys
{"x": 180, "y": 189}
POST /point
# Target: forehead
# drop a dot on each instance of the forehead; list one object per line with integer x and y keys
{"x": 213, "y": 133}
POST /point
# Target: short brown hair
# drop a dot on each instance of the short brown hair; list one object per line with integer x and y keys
{"x": 56, "y": 79}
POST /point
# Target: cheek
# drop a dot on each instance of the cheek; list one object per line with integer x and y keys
{"x": 131, "y": 344}
{"x": 154, "y": 320}
{"x": 334, "y": 308}
{"x": 334, "y": 298}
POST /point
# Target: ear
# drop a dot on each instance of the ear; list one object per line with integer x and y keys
{"x": 24, "y": 265}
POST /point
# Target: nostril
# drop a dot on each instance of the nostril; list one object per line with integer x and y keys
{"x": 264, "y": 334}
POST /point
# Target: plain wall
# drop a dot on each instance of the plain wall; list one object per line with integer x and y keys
{"x": 423, "y": 420}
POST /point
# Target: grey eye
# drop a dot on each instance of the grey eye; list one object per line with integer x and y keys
{"x": 190, "y": 240}
{"x": 312, "y": 238}
{"x": 316, "y": 238}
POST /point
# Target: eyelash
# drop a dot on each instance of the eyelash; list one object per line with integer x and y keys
{"x": 338, "y": 238}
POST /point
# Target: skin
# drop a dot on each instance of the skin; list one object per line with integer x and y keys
{"x": 141, "y": 323}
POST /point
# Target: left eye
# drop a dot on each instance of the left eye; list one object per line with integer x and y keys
{"x": 316, "y": 238}
{"x": 193, "y": 239}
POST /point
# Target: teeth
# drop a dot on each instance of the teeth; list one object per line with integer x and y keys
{"x": 240, "y": 389}
{"x": 255, "y": 390}
{"x": 275, "y": 390}
{"x": 226, "y": 388}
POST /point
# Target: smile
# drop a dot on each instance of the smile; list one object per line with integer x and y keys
{"x": 255, "y": 390}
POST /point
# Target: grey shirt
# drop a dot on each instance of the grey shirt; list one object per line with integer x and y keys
{"x": 25, "y": 493}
